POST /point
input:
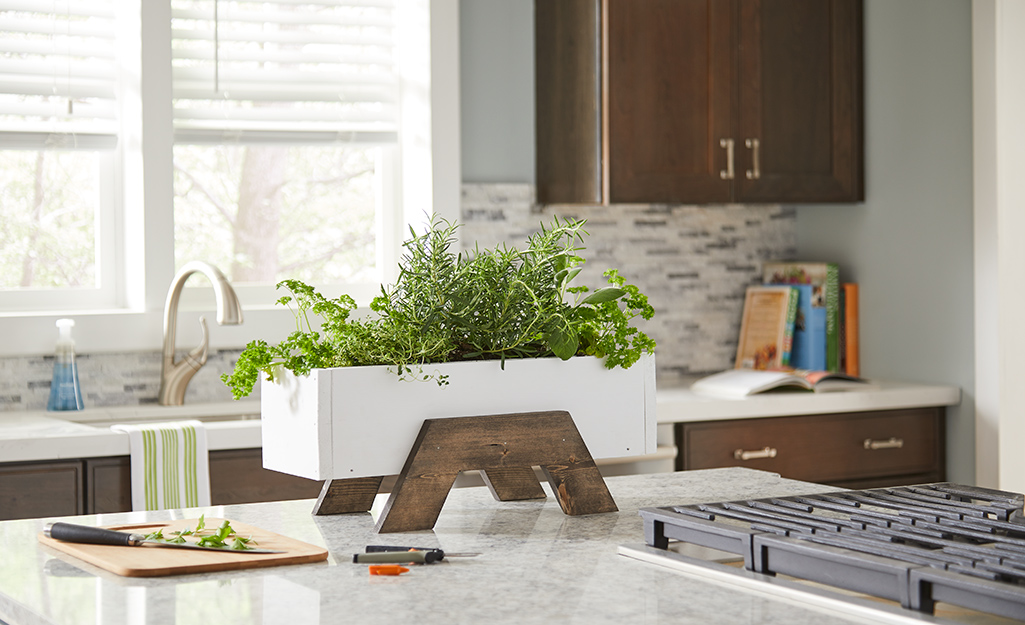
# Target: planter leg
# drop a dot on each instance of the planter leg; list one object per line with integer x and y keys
{"x": 415, "y": 502}
{"x": 580, "y": 488}
{"x": 347, "y": 495}
{"x": 513, "y": 483}
{"x": 505, "y": 447}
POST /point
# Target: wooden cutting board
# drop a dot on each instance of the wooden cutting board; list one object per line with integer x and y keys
{"x": 155, "y": 561}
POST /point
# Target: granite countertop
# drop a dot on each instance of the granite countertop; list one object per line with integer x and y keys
{"x": 30, "y": 436}
{"x": 537, "y": 565}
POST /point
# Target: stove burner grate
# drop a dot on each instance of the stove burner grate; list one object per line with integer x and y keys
{"x": 917, "y": 545}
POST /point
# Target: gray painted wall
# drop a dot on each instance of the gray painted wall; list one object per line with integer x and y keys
{"x": 496, "y": 59}
{"x": 909, "y": 245}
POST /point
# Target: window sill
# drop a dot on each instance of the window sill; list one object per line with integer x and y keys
{"x": 34, "y": 334}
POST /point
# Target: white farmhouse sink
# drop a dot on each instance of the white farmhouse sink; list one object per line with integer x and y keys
{"x": 208, "y": 413}
{"x": 15, "y": 424}
{"x": 40, "y": 435}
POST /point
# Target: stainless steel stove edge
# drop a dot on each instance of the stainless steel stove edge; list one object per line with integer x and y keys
{"x": 854, "y": 608}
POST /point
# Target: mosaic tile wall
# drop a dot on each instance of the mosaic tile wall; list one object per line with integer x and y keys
{"x": 110, "y": 379}
{"x": 692, "y": 262}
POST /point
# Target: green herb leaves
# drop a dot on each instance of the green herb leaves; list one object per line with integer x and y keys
{"x": 489, "y": 304}
{"x": 213, "y": 539}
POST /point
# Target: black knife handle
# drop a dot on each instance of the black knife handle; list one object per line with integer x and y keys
{"x": 69, "y": 532}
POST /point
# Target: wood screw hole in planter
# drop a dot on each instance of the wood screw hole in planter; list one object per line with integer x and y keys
{"x": 503, "y": 447}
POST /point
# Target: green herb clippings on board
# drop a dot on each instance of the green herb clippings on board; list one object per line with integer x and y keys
{"x": 490, "y": 304}
{"x": 212, "y": 539}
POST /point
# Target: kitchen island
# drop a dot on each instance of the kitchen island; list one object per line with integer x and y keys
{"x": 536, "y": 565}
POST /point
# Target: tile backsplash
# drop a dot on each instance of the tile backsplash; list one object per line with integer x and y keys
{"x": 111, "y": 379}
{"x": 693, "y": 262}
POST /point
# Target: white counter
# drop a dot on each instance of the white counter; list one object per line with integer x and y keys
{"x": 676, "y": 405}
{"x": 28, "y": 436}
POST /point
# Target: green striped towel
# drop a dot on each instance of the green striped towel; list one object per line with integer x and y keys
{"x": 170, "y": 466}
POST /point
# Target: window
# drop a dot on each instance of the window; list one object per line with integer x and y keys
{"x": 192, "y": 115}
{"x": 285, "y": 127}
{"x": 59, "y": 127}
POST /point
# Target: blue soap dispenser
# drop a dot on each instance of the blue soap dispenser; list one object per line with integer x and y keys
{"x": 65, "y": 393}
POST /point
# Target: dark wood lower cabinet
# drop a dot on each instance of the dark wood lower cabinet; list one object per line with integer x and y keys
{"x": 108, "y": 485}
{"x": 852, "y": 450}
{"x": 236, "y": 476}
{"x": 103, "y": 485}
{"x": 41, "y": 489}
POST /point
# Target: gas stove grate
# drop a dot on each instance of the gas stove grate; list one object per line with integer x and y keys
{"x": 917, "y": 545}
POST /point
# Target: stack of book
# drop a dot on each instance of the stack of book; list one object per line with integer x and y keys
{"x": 801, "y": 317}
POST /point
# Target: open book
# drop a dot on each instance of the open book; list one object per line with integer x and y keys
{"x": 744, "y": 382}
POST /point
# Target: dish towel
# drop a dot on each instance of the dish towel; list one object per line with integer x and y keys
{"x": 170, "y": 465}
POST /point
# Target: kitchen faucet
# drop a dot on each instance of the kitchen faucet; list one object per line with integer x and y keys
{"x": 174, "y": 377}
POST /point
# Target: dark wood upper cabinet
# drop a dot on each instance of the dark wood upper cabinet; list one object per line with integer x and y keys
{"x": 669, "y": 95}
{"x": 568, "y": 97}
{"x": 799, "y": 94}
{"x": 701, "y": 101}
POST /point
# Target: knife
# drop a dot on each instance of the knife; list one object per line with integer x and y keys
{"x": 69, "y": 532}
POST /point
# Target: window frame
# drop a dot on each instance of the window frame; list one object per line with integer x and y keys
{"x": 146, "y": 257}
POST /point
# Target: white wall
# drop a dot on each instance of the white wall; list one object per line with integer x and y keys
{"x": 999, "y": 92}
{"x": 987, "y": 342}
{"x": 909, "y": 245}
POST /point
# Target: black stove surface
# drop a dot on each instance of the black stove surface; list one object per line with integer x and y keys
{"x": 916, "y": 545}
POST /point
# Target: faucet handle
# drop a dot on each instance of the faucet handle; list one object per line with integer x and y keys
{"x": 197, "y": 356}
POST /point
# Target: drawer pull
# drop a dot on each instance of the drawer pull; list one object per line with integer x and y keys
{"x": 891, "y": 443}
{"x": 766, "y": 452}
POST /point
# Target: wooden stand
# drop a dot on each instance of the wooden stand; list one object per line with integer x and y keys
{"x": 503, "y": 447}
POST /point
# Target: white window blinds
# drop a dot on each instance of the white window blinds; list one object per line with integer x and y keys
{"x": 58, "y": 74}
{"x": 292, "y": 71}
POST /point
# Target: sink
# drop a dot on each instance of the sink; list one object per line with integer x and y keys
{"x": 17, "y": 425}
{"x": 41, "y": 435}
{"x": 208, "y": 413}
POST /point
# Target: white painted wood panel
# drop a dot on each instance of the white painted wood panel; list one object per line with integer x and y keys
{"x": 363, "y": 421}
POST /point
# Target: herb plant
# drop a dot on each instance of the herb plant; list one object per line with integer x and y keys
{"x": 489, "y": 304}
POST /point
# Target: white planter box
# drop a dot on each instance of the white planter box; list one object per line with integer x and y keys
{"x": 362, "y": 421}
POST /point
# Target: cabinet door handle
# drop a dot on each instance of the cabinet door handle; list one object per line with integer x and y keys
{"x": 890, "y": 443}
{"x": 765, "y": 452}
{"x": 727, "y": 174}
{"x": 756, "y": 173}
